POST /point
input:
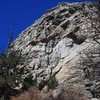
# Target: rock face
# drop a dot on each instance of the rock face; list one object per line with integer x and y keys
{"x": 53, "y": 44}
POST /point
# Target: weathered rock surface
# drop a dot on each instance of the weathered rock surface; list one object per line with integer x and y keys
{"x": 53, "y": 44}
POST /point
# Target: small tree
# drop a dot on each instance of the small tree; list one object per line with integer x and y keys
{"x": 10, "y": 74}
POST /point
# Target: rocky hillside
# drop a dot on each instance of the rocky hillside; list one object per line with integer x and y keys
{"x": 54, "y": 43}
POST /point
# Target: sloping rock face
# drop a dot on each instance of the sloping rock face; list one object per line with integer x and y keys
{"x": 53, "y": 44}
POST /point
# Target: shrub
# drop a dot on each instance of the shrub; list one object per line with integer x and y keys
{"x": 10, "y": 74}
{"x": 28, "y": 82}
{"x": 52, "y": 83}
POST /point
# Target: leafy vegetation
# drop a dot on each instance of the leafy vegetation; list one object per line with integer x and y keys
{"x": 52, "y": 83}
{"x": 10, "y": 73}
{"x": 28, "y": 82}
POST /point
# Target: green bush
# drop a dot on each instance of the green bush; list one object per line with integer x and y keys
{"x": 28, "y": 81}
{"x": 52, "y": 83}
{"x": 9, "y": 72}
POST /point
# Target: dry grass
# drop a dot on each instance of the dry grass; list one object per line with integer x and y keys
{"x": 72, "y": 95}
{"x": 65, "y": 94}
{"x": 34, "y": 94}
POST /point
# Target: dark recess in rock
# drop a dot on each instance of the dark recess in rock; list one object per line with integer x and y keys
{"x": 75, "y": 39}
{"x": 67, "y": 15}
{"x": 44, "y": 40}
{"x": 62, "y": 11}
{"x": 71, "y": 11}
{"x": 56, "y": 22}
{"x": 33, "y": 43}
{"x": 80, "y": 41}
{"x": 76, "y": 29}
{"x": 65, "y": 25}
{"x": 58, "y": 17}
{"x": 50, "y": 17}
{"x": 72, "y": 36}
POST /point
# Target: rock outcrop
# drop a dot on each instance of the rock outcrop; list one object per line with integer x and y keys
{"x": 54, "y": 43}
